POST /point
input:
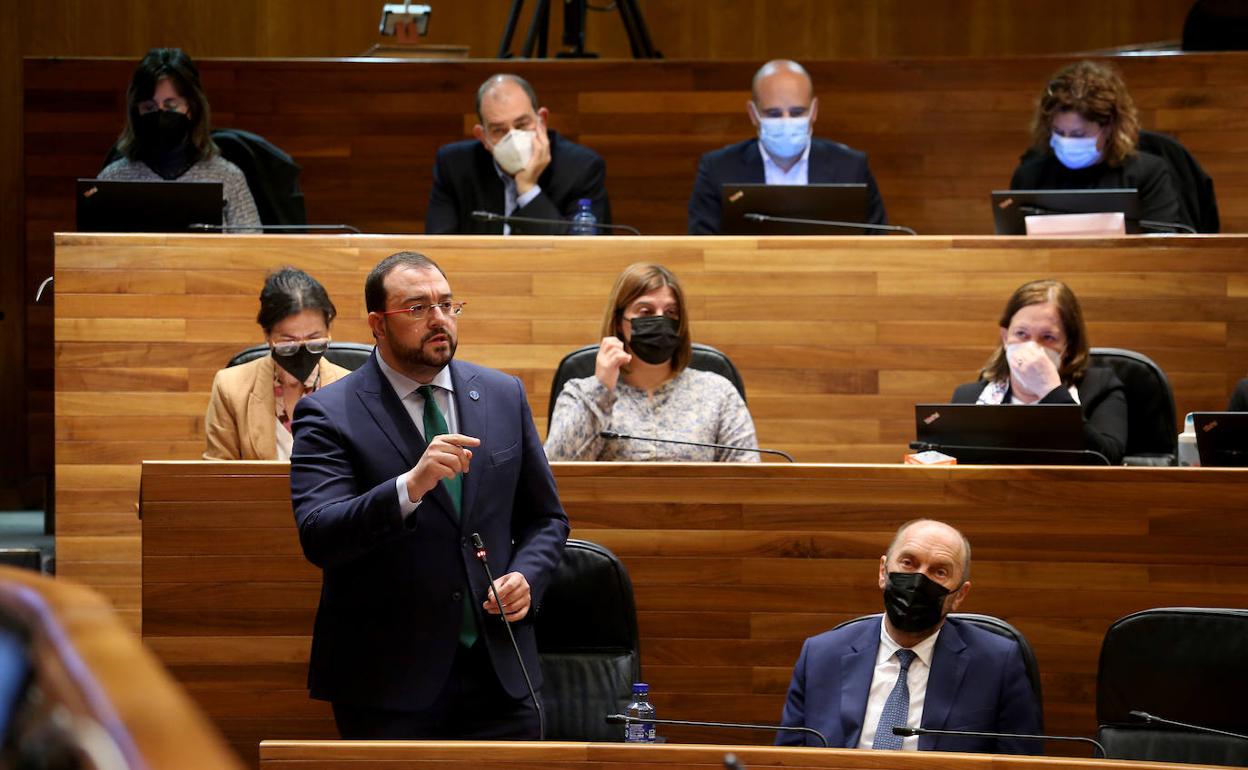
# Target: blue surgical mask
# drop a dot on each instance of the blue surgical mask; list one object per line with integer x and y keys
{"x": 784, "y": 138}
{"x": 1075, "y": 152}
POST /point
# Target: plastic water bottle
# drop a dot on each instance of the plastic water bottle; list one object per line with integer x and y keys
{"x": 1189, "y": 456}
{"x": 640, "y": 708}
{"x": 583, "y": 221}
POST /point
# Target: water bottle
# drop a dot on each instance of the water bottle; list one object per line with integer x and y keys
{"x": 583, "y": 221}
{"x": 1189, "y": 455}
{"x": 640, "y": 708}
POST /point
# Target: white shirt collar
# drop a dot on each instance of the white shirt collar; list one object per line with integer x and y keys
{"x": 798, "y": 173}
{"x": 404, "y": 386}
{"x": 923, "y": 650}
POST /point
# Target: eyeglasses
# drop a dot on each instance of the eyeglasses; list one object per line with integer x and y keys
{"x": 291, "y": 348}
{"x": 452, "y": 309}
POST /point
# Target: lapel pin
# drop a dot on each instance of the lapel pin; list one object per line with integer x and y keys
{"x": 474, "y": 395}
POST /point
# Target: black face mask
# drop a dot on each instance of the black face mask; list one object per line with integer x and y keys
{"x": 655, "y": 338}
{"x": 164, "y": 142}
{"x": 914, "y": 602}
{"x": 301, "y": 364}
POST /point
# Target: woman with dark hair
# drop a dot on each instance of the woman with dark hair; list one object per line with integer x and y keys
{"x": 1043, "y": 359}
{"x": 642, "y": 385}
{"x": 252, "y": 404}
{"x": 168, "y": 134}
{"x": 1085, "y": 136}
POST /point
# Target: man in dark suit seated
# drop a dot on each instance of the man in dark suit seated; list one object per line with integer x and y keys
{"x": 515, "y": 166}
{"x": 408, "y": 643}
{"x": 783, "y": 109}
{"x": 915, "y": 668}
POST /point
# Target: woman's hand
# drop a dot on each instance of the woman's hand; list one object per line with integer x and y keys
{"x": 1032, "y": 370}
{"x": 611, "y": 357}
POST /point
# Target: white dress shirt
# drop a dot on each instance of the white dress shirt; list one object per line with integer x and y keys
{"x": 887, "y": 667}
{"x": 406, "y": 389}
{"x": 798, "y": 174}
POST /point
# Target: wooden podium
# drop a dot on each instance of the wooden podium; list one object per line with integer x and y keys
{"x": 449, "y": 755}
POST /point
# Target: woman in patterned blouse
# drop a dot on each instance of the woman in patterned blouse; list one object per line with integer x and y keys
{"x": 642, "y": 385}
{"x": 168, "y": 135}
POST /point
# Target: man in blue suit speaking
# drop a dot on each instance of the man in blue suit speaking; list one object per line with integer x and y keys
{"x": 916, "y": 667}
{"x": 394, "y": 468}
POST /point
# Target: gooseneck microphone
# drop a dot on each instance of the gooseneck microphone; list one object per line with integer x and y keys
{"x": 490, "y": 216}
{"x": 1151, "y": 719}
{"x": 272, "y": 228}
{"x": 907, "y": 732}
{"x": 479, "y": 545}
{"x": 623, "y": 719}
{"x": 612, "y": 435}
{"x": 755, "y": 217}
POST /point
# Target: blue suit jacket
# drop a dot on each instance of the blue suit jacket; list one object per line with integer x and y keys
{"x": 392, "y": 590}
{"x": 742, "y": 163}
{"x": 977, "y": 683}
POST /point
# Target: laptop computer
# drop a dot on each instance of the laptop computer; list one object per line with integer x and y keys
{"x": 837, "y": 202}
{"x": 115, "y": 206}
{"x": 1222, "y": 439}
{"x": 1011, "y": 207}
{"x": 1035, "y": 434}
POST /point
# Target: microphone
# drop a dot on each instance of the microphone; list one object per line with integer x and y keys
{"x": 479, "y": 545}
{"x": 907, "y": 732}
{"x": 610, "y": 434}
{"x": 622, "y": 719}
{"x": 271, "y": 228}
{"x": 1151, "y": 719}
{"x": 755, "y": 217}
{"x": 490, "y": 216}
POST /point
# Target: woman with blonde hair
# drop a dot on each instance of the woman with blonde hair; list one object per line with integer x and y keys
{"x": 642, "y": 385}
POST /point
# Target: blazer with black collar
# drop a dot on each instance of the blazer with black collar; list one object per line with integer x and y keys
{"x": 829, "y": 163}
{"x": 465, "y": 180}
{"x": 977, "y": 682}
{"x": 391, "y": 605}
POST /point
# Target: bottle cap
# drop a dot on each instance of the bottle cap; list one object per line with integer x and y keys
{"x": 640, "y": 687}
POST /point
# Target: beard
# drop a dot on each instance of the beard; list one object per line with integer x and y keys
{"x": 423, "y": 355}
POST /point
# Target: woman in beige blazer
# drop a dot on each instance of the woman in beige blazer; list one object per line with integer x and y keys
{"x": 253, "y": 404}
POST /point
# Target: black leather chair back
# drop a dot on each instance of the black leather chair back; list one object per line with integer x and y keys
{"x": 1000, "y": 628}
{"x": 1152, "y": 434}
{"x": 1187, "y": 664}
{"x": 1195, "y": 187}
{"x": 580, "y": 363}
{"x": 348, "y": 355}
{"x": 588, "y": 643}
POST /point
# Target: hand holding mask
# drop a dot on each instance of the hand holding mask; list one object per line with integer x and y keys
{"x": 514, "y": 151}
{"x": 1034, "y": 367}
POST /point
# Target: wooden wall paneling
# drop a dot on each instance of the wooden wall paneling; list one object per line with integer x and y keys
{"x": 12, "y": 266}
{"x": 732, "y": 567}
{"x": 940, "y": 133}
{"x": 836, "y": 338}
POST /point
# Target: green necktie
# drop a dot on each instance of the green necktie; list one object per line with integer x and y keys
{"x": 435, "y": 425}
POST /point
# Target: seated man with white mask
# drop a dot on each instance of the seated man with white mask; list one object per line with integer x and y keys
{"x": 783, "y": 108}
{"x": 515, "y": 166}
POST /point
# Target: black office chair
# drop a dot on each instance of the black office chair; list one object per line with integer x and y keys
{"x": 348, "y": 355}
{"x": 25, "y": 558}
{"x": 580, "y": 363}
{"x": 1152, "y": 435}
{"x": 589, "y": 645}
{"x": 272, "y": 175}
{"x": 1195, "y": 186}
{"x": 1186, "y": 664}
{"x": 1000, "y": 628}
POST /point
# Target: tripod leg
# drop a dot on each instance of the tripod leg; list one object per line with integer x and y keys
{"x": 541, "y": 14}
{"x": 513, "y": 17}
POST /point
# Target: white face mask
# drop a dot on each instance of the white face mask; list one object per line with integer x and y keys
{"x": 514, "y": 151}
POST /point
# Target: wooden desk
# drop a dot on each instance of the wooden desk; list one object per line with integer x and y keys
{"x": 733, "y": 566}
{"x": 115, "y": 699}
{"x": 346, "y": 755}
{"x": 836, "y": 338}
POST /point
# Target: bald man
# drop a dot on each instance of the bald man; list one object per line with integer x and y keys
{"x": 783, "y": 108}
{"x": 516, "y": 166}
{"x": 915, "y": 667}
